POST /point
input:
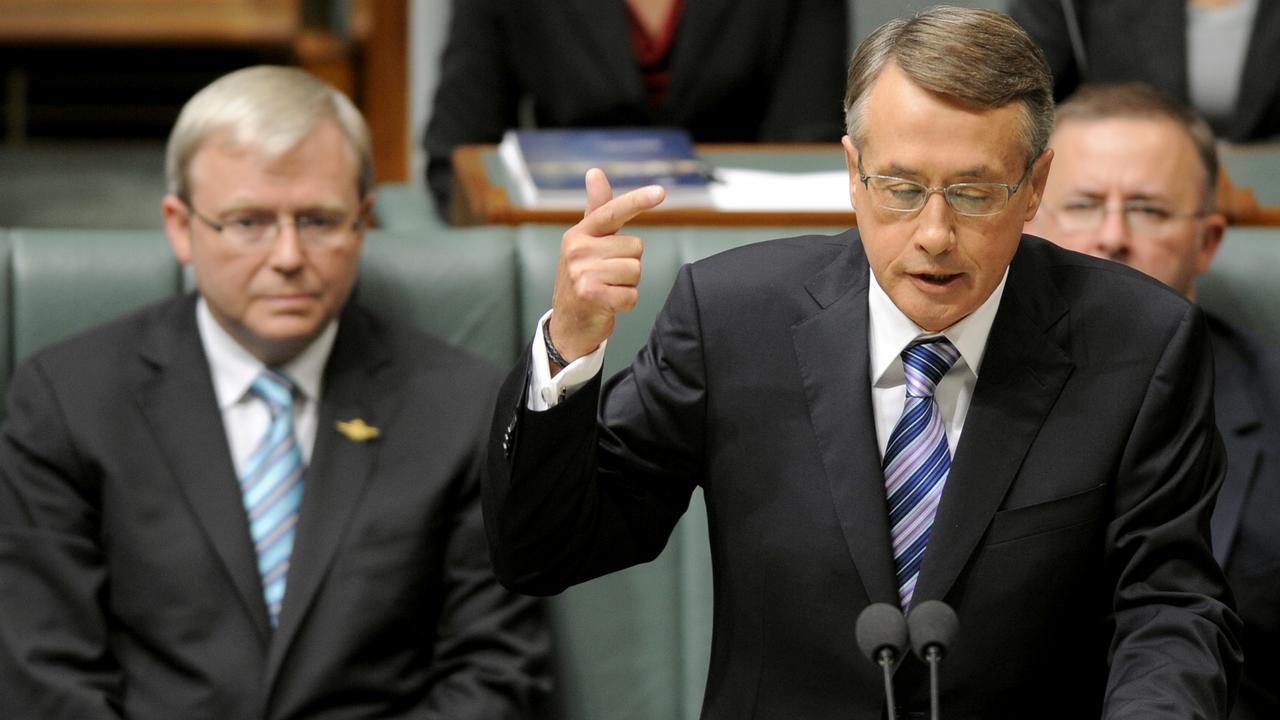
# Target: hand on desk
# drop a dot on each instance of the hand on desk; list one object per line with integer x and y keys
{"x": 599, "y": 269}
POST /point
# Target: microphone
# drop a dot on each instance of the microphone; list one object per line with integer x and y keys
{"x": 933, "y": 625}
{"x": 882, "y": 636}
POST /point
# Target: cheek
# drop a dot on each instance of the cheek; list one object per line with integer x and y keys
{"x": 335, "y": 277}
{"x": 883, "y": 245}
{"x": 989, "y": 253}
{"x": 229, "y": 281}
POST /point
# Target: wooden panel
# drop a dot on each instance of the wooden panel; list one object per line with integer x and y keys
{"x": 384, "y": 90}
{"x": 85, "y": 22}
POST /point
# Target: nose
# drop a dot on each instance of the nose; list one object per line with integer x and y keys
{"x": 934, "y": 231}
{"x": 286, "y": 249}
{"x": 1113, "y": 237}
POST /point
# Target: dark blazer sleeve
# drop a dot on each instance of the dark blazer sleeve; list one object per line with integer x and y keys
{"x": 570, "y": 498}
{"x": 55, "y": 661}
{"x": 493, "y": 647}
{"x": 1175, "y": 649}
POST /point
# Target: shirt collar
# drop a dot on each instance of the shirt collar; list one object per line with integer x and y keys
{"x": 234, "y": 368}
{"x": 892, "y": 331}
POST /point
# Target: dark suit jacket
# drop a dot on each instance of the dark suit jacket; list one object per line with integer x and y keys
{"x": 1246, "y": 534}
{"x": 1146, "y": 41}
{"x": 128, "y": 581}
{"x": 741, "y": 71}
{"x": 1072, "y": 531}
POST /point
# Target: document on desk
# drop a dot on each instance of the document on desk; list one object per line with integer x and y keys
{"x": 742, "y": 189}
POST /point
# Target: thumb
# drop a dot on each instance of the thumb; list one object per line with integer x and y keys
{"x": 598, "y": 190}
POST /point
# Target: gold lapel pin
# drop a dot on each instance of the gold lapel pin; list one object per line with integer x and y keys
{"x": 357, "y": 430}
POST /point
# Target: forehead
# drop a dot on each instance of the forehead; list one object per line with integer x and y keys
{"x": 1128, "y": 155}
{"x": 911, "y": 128}
{"x": 322, "y": 164}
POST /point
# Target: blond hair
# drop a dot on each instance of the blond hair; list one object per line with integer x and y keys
{"x": 271, "y": 108}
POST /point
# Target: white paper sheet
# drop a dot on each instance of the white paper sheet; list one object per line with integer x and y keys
{"x": 762, "y": 190}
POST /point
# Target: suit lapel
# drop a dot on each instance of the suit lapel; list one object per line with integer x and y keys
{"x": 339, "y": 470}
{"x": 831, "y": 350}
{"x": 1258, "y": 86}
{"x": 1022, "y": 373}
{"x": 181, "y": 410}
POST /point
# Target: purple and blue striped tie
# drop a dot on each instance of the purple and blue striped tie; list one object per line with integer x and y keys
{"x": 917, "y": 460}
{"x": 271, "y": 483}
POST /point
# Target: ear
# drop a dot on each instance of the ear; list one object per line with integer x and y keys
{"x": 1212, "y": 229}
{"x": 177, "y": 226}
{"x": 366, "y": 211}
{"x": 365, "y": 214}
{"x": 851, "y": 161}
{"x": 1039, "y": 176}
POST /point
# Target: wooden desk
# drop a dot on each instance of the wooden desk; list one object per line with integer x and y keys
{"x": 482, "y": 195}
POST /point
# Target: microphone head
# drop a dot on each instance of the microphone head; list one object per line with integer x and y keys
{"x": 933, "y": 624}
{"x": 881, "y": 626}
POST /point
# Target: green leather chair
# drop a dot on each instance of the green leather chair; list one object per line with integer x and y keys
{"x": 1241, "y": 285}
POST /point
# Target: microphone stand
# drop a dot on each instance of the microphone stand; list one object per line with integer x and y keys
{"x": 933, "y": 656}
{"x": 886, "y": 663}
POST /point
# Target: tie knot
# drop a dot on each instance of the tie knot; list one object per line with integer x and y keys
{"x": 276, "y": 388}
{"x": 925, "y": 363}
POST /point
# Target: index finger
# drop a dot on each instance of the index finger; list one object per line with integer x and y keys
{"x": 598, "y": 190}
{"x": 610, "y": 217}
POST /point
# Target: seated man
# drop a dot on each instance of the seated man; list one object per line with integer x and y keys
{"x": 258, "y": 500}
{"x": 1133, "y": 181}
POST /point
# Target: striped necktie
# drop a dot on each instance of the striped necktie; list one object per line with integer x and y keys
{"x": 917, "y": 460}
{"x": 271, "y": 483}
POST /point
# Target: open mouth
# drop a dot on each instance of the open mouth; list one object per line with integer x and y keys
{"x": 936, "y": 279}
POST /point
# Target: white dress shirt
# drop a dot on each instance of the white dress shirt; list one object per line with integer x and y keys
{"x": 245, "y": 416}
{"x": 890, "y": 333}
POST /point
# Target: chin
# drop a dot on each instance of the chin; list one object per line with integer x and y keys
{"x": 288, "y": 330}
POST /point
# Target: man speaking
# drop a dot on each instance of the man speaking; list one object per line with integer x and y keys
{"x": 929, "y": 407}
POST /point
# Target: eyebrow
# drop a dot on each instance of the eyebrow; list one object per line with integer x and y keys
{"x": 977, "y": 171}
{"x": 1140, "y": 197}
{"x": 321, "y": 206}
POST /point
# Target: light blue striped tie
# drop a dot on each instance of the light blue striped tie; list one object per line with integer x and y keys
{"x": 271, "y": 483}
{"x": 917, "y": 460}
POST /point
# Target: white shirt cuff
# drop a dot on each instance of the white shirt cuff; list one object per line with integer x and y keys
{"x": 545, "y": 392}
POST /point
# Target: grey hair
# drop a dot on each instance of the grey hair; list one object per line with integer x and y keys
{"x": 1105, "y": 101}
{"x": 978, "y": 58}
{"x": 271, "y": 108}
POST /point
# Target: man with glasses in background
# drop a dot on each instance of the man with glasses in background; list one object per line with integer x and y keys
{"x": 932, "y": 406}
{"x": 258, "y": 500}
{"x": 1134, "y": 180}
